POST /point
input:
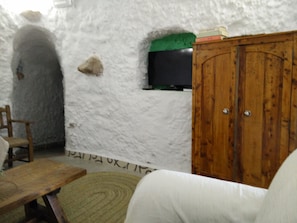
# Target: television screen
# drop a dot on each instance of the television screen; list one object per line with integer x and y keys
{"x": 171, "y": 69}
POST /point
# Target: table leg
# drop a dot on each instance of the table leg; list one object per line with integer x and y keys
{"x": 34, "y": 211}
{"x": 53, "y": 205}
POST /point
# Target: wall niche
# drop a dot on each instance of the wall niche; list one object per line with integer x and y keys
{"x": 169, "y": 62}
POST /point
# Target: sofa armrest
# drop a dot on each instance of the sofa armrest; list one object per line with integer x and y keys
{"x": 174, "y": 197}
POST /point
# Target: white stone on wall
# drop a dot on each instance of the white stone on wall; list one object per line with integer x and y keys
{"x": 92, "y": 66}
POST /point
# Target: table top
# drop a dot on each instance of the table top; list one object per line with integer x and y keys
{"x": 27, "y": 182}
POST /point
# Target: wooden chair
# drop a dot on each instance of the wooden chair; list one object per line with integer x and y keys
{"x": 6, "y": 122}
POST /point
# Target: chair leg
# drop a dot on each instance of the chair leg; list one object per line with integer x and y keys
{"x": 30, "y": 153}
{"x": 10, "y": 157}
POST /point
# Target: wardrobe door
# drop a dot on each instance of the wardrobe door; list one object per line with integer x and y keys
{"x": 213, "y": 111}
{"x": 264, "y": 96}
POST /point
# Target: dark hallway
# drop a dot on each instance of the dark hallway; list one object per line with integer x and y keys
{"x": 38, "y": 93}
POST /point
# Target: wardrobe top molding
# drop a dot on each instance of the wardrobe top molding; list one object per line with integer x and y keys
{"x": 250, "y": 39}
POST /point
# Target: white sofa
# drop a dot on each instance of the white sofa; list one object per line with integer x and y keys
{"x": 173, "y": 197}
{"x": 3, "y": 151}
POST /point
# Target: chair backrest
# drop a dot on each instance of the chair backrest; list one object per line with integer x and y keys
{"x": 5, "y": 119}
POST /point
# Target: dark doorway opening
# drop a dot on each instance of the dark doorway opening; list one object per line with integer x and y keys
{"x": 38, "y": 93}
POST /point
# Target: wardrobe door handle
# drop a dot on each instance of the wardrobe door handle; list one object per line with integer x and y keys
{"x": 226, "y": 111}
{"x": 247, "y": 113}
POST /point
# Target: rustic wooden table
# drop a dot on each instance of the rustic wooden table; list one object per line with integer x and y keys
{"x": 22, "y": 185}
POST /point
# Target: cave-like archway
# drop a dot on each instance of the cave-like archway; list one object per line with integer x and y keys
{"x": 38, "y": 93}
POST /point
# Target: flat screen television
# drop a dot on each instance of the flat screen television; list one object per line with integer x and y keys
{"x": 171, "y": 69}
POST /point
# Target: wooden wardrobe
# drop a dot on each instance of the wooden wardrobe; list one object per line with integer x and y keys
{"x": 244, "y": 115}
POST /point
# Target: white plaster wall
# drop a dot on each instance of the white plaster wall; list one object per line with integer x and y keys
{"x": 111, "y": 115}
{"x": 7, "y": 30}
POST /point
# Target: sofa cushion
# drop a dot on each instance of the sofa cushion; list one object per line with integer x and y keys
{"x": 3, "y": 151}
{"x": 280, "y": 203}
{"x": 165, "y": 196}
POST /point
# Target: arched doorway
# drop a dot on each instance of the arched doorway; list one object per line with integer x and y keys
{"x": 38, "y": 93}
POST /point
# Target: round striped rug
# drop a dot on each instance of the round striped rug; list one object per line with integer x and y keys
{"x": 98, "y": 197}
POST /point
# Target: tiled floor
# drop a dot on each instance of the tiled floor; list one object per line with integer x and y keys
{"x": 58, "y": 154}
